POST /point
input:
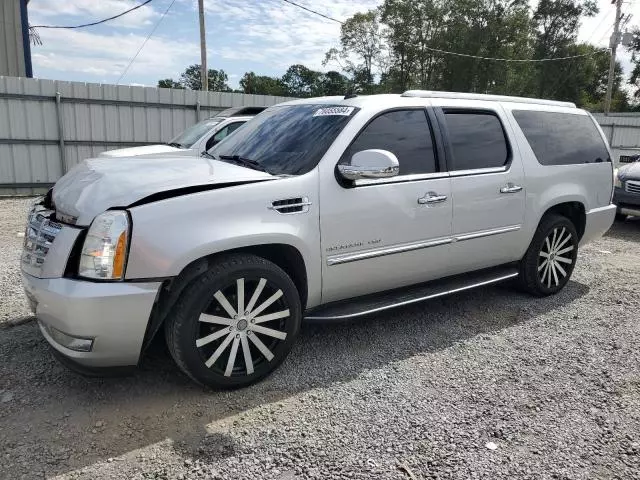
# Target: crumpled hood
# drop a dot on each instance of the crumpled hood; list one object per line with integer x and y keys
{"x": 631, "y": 171}
{"x": 98, "y": 184}
{"x": 144, "y": 150}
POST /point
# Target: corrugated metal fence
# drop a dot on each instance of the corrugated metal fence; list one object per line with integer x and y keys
{"x": 47, "y": 126}
{"x": 623, "y": 132}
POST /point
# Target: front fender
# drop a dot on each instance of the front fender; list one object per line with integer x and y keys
{"x": 170, "y": 234}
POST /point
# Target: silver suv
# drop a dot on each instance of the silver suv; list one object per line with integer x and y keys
{"x": 323, "y": 208}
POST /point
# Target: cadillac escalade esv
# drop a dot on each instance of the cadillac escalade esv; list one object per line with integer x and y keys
{"x": 323, "y": 208}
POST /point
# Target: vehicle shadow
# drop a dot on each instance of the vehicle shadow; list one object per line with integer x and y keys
{"x": 67, "y": 421}
{"x": 629, "y": 229}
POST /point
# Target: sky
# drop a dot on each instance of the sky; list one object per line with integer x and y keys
{"x": 264, "y": 36}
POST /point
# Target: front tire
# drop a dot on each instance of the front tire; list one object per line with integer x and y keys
{"x": 548, "y": 264}
{"x": 236, "y": 323}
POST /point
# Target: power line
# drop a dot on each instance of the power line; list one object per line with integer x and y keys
{"x": 95, "y": 23}
{"x": 508, "y": 60}
{"x": 456, "y": 54}
{"x": 146, "y": 40}
{"x": 313, "y": 11}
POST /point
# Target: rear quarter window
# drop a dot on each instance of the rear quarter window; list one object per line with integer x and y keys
{"x": 562, "y": 138}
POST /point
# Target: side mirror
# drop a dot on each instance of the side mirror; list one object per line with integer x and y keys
{"x": 372, "y": 163}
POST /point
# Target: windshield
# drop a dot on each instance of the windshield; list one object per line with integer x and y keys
{"x": 286, "y": 140}
{"x": 192, "y": 134}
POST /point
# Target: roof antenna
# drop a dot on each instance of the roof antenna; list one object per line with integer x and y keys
{"x": 350, "y": 94}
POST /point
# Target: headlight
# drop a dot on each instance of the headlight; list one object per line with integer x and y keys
{"x": 105, "y": 248}
{"x": 616, "y": 179}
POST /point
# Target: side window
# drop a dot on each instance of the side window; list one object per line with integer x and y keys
{"x": 562, "y": 138}
{"x": 222, "y": 134}
{"x": 406, "y": 134}
{"x": 477, "y": 140}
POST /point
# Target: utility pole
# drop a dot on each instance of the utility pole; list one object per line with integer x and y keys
{"x": 614, "y": 46}
{"x": 204, "y": 78}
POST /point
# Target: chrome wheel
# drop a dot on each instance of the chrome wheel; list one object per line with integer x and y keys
{"x": 555, "y": 258}
{"x": 237, "y": 337}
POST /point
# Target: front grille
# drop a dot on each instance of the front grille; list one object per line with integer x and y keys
{"x": 632, "y": 186}
{"x": 40, "y": 234}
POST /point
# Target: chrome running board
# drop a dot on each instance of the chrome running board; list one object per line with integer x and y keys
{"x": 379, "y": 302}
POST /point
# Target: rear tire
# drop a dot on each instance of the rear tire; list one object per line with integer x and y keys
{"x": 620, "y": 217}
{"x": 548, "y": 264}
{"x": 236, "y": 323}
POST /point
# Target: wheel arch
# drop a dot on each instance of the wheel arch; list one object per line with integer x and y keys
{"x": 574, "y": 210}
{"x": 285, "y": 256}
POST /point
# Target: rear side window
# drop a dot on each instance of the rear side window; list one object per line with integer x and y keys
{"x": 405, "y": 133}
{"x": 562, "y": 138}
{"x": 477, "y": 140}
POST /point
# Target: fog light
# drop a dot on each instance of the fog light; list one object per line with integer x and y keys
{"x": 68, "y": 341}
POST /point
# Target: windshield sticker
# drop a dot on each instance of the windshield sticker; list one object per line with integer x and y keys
{"x": 340, "y": 111}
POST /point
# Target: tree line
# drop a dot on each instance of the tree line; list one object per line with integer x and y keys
{"x": 402, "y": 45}
{"x": 298, "y": 81}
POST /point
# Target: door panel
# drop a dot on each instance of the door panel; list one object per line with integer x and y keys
{"x": 386, "y": 233}
{"x": 399, "y": 241}
{"x": 486, "y": 223}
{"x": 487, "y": 185}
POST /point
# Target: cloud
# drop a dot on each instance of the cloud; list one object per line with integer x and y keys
{"x": 108, "y": 55}
{"x": 277, "y": 34}
{"x": 71, "y": 12}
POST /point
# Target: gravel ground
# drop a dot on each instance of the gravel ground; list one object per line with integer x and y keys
{"x": 13, "y": 217}
{"x": 488, "y": 384}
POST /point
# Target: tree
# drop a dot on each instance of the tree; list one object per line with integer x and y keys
{"x": 556, "y": 25}
{"x": 169, "y": 83}
{"x": 218, "y": 79}
{"x": 634, "y": 79}
{"x": 261, "y": 85}
{"x": 190, "y": 79}
{"x": 333, "y": 83}
{"x": 360, "y": 48}
{"x": 300, "y": 81}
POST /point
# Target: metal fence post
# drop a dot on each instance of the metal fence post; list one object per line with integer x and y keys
{"x": 63, "y": 156}
{"x": 613, "y": 129}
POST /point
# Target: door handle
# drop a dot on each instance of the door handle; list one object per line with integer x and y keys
{"x": 431, "y": 197}
{"x": 510, "y": 188}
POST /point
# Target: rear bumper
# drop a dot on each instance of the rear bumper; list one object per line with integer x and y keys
{"x": 599, "y": 220}
{"x": 113, "y": 315}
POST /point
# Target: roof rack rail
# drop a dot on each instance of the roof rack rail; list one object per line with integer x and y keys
{"x": 482, "y": 96}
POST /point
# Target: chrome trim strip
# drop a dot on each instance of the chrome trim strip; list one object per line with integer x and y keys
{"x": 402, "y": 178}
{"x": 611, "y": 206}
{"x": 289, "y": 205}
{"x": 303, "y": 205}
{"x": 486, "y": 233}
{"x": 478, "y": 171}
{"x": 381, "y": 252}
{"x": 408, "y": 247}
{"x": 415, "y": 300}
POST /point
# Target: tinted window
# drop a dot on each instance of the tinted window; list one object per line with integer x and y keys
{"x": 404, "y": 133}
{"x": 194, "y": 133}
{"x": 477, "y": 140}
{"x": 222, "y": 134}
{"x": 288, "y": 139}
{"x": 562, "y": 138}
